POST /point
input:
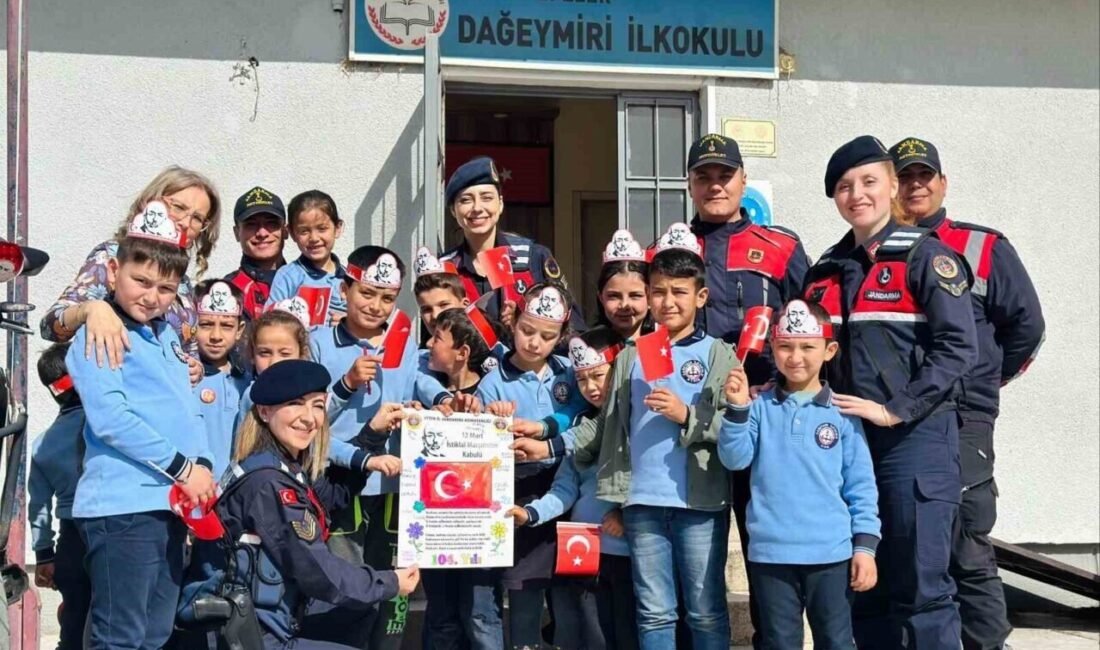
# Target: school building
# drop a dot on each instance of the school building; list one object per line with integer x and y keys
{"x": 588, "y": 108}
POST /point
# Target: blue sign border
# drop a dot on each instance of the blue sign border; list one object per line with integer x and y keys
{"x": 621, "y": 36}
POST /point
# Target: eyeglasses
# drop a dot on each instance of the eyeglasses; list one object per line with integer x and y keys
{"x": 198, "y": 220}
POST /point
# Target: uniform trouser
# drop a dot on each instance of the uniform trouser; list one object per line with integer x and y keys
{"x": 981, "y": 595}
{"x": 327, "y": 627}
{"x": 917, "y": 472}
{"x": 366, "y": 532}
{"x": 740, "y": 494}
{"x": 73, "y": 583}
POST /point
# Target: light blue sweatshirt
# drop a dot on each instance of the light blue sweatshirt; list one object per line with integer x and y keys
{"x": 814, "y": 499}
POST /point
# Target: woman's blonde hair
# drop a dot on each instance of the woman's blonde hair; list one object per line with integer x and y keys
{"x": 897, "y": 213}
{"x": 254, "y": 435}
{"x": 175, "y": 179}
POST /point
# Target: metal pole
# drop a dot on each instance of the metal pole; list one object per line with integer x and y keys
{"x": 23, "y": 616}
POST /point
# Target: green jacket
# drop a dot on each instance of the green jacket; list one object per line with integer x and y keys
{"x": 605, "y": 439}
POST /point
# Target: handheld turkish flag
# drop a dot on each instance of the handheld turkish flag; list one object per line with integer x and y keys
{"x": 456, "y": 485}
{"x": 205, "y": 524}
{"x": 578, "y": 549}
{"x": 655, "y": 353}
{"x": 397, "y": 336}
{"x": 318, "y": 299}
{"x": 497, "y": 266}
{"x": 754, "y": 331}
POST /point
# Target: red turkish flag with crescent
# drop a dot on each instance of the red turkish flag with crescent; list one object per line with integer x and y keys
{"x": 497, "y": 267}
{"x": 655, "y": 353}
{"x": 456, "y": 485}
{"x": 318, "y": 299}
{"x": 525, "y": 171}
{"x": 754, "y": 331}
{"x": 397, "y": 336}
{"x": 578, "y": 549}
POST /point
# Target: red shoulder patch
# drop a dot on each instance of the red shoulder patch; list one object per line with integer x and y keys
{"x": 760, "y": 250}
{"x": 288, "y": 497}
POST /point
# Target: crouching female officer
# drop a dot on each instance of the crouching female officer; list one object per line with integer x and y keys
{"x": 908, "y": 337}
{"x": 277, "y": 502}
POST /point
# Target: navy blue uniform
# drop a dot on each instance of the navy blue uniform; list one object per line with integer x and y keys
{"x": 908, "y": 338}
{"x": 280, "y": 522}
{"x": 532, "y": 264}
{"x": 1009, "y": 322}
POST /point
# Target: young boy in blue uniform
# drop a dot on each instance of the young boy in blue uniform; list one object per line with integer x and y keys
{"x": 655, "y": 453}
{"x": 597, "y": 613}
{"x": 352, "y": 350}
{"x": 143, "y": 433}
{"x": 813, "y": 524}
{"x": 221, "y": 322}
{"x": 55, "y": 469}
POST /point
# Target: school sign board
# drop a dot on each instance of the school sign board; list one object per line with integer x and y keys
{"x": 722, "y": 38}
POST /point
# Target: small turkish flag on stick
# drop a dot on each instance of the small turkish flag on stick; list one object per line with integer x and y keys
{"x": 655, "y": 353}
{"x": 497, "y": 267}
{"x": 318, "y": 299}
{"x": 578, "y": 549}
{"x": 397, "y": 336}
{"x": 754, "y": 331}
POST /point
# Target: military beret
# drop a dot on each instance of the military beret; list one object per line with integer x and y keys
{"x": 288, "y": 380}
{"x": 479, "y": 171}
{"x": 863, "y": 150}
{"x": 914, "y": 151}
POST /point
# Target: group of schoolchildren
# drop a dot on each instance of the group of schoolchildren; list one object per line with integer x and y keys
{"x": 596, "y": 442}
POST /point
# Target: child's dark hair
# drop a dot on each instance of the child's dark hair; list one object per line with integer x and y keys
{"x": 311, "y": 200}
{"x": 678, "y": 263}
{"x": 447, "y": 281}
{"x": 279, "y": 318}
{"x": 535, "y": 289}
{"x": 463, "y": 332}
{"x": 600, "y": 338}
{"x": 364, "y": 256}
{"x": 51, "y": 367}
{"x": 203, "y": 288}
{"x": 171, "y": 260}
{"x": 624, "y": 267}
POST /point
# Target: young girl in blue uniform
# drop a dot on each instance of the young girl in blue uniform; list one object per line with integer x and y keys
{"x": 143, "y": 434}
{"x": 223, "y": 383}
{"x": 277, "y": 502}
{"x": 314, "y": 225}
{"x": 532, "y": 383}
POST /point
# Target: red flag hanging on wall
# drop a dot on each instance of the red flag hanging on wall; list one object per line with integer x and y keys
{"x": 525, "y": 172}
{"x": 456, "y": 485}
{"x": 578, "y": 549}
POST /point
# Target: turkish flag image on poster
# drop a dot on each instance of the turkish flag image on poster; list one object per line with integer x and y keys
{"x": 754, "y": 331}
{"x": 655, "y": 354}
{"x": 578, "y": 549}
{"x": 397, "y": 336}
{"x": 456, "y": 485}
{"x": 524, "y": 171}
{"x": 317, "y": 298}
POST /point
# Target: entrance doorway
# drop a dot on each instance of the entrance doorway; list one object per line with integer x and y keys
{"x": 575, "y": 168}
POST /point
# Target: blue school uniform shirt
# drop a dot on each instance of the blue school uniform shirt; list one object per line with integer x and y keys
{"x": 336, "y": 349}
{"x": 658, "y": 462}
{"x": 219, "y": 396}
{"x": 576, "y": 489}
{"x": 814, "y": 498}
{"x": 142, "y": 422}
{"x": 55, "y": 470}
{"x": 302, "y": 273}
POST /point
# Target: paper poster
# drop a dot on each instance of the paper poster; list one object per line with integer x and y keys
{"x": 457, "y": 481}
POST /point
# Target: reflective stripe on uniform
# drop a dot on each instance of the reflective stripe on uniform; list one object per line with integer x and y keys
{"x": 249, "y": 538}
{"x": 975, "y": 245}
{"x": 893, "y": 316}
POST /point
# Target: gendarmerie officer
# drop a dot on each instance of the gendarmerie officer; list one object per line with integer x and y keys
{"x": 274, "y": 508}
{"x": 747, "y": 265}
{"x": 474, "y": 198}
{"x": 1010, "y": 326}
{"x": 907, "y": 337}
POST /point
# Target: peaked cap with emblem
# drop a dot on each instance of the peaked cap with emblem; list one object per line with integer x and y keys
{"x": 914, "y": 151}
{"x": 479, "y": 171}
{"x": 864, "y": 150}
{"x": 714, "y": 149}
{"x": 258, "y": 201}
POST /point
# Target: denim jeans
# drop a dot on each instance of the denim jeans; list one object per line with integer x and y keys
{"x": 463, "y": 605}
{"x": 576, "y": 617}
{"x": 688, "y": 547}
{"x": 135, "y": 563}
{"x": 782, "y": 590}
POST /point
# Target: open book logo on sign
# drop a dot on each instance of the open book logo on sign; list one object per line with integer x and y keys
{"x": 405, "y": 24}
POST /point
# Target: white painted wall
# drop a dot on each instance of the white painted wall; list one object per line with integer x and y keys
{"x": 1007, "y": 89}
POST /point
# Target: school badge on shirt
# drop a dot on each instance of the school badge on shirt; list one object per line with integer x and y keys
{"x": 692, "y": 371}
{"x": 826, "y": 436}
{"x": 561, "y": 392}
{"x": 208, "y": 396}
